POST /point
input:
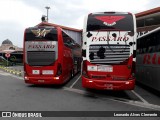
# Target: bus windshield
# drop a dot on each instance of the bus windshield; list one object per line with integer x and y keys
{"x": 113, "y": 22}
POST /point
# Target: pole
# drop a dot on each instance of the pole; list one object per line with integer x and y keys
{"x": 47, "y": 7}
{"x": 47, "y": 15}
{"x": 7, "y": 61}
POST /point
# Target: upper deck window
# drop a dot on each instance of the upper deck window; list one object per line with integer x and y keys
{"x": 43, "y": 33}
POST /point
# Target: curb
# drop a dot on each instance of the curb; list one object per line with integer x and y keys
{"x": 12, "y": 71}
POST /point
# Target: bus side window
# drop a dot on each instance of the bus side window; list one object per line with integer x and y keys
{"x": 147, "y": 49}
{"x": 155, "y": 42}
{"x": 137, "y": 52}
{"x": 140, "y": 46}
{"x": 150, "y": 49}
{"x": 150, "y": 44}
{"x": 158, "y": 37}
{"x": 158, "y": 48}
{"x": 143, "y": 45}
{"x": 68, "y": 41}
{"x": 158, "y": 41}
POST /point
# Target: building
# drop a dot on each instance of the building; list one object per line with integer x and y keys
{"x": 16, "y": 53}
{"x": 8, "y": 47}
{"x": 148, "y": 20}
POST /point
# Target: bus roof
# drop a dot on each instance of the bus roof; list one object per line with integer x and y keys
{"x": 111, "y": 12}
{"x": 148, "y": 12}
{"x": 56, "y": 25}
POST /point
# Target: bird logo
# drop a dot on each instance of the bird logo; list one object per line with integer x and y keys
{"x": 110, "y": 20}
{"x": 40, "y": 32}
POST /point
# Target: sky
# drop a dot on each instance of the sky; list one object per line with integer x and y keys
{"x": 16, "y": 15}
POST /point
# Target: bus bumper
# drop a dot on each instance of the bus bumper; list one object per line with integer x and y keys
{"x": 43, "y": 80}
{"x": 108, "y": 85}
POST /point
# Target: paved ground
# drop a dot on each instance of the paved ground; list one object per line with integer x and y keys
{"x": 18, "y": 96}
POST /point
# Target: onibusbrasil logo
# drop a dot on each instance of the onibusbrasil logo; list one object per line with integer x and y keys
{"x": 21, "y": 114}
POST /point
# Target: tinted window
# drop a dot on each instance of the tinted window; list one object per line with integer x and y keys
{"x": 140, "y": 23}
{"x": 69, "y": 42}
{"x": 43, "y": 33}
{"x": 43, "y": 58}
{"x": 149, "y": 43}
{"x": 98, "y": 22}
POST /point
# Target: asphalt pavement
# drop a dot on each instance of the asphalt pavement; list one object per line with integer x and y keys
{"x": 18, "y": 96}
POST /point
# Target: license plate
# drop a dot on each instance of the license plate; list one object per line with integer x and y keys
{"x": 35, "y": 72}
{"x": 41, "y": 81}
{"x": 47, "y": 72}
{"x": 109, "y": 86}
{"x": 105, "y": 68}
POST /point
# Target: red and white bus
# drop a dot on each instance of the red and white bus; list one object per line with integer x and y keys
{"x": 108, "y": 50}
{"x": 51, "y": 54}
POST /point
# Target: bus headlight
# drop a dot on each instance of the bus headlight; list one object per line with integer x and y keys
{"x": 91, "y": 68}
{"x": 56, "y": 78}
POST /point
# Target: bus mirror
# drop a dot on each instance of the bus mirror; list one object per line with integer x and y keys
{"x": 83, "y": 53}
{"x": 134, "y": 53}
{"x": 89, "y": 35}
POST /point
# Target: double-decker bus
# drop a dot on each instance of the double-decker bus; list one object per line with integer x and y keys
{"x": 148, "y": 59}
{"x": 51, "y": 55}
{"x": 108, "y": 50}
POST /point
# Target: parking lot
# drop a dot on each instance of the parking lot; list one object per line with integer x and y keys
{"x": 16, "y": 95}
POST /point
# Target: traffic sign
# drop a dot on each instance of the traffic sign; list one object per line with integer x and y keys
{"x": 7, "y": 55}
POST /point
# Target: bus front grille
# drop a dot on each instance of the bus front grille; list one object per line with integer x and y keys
{"x": 109, "y": 54}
